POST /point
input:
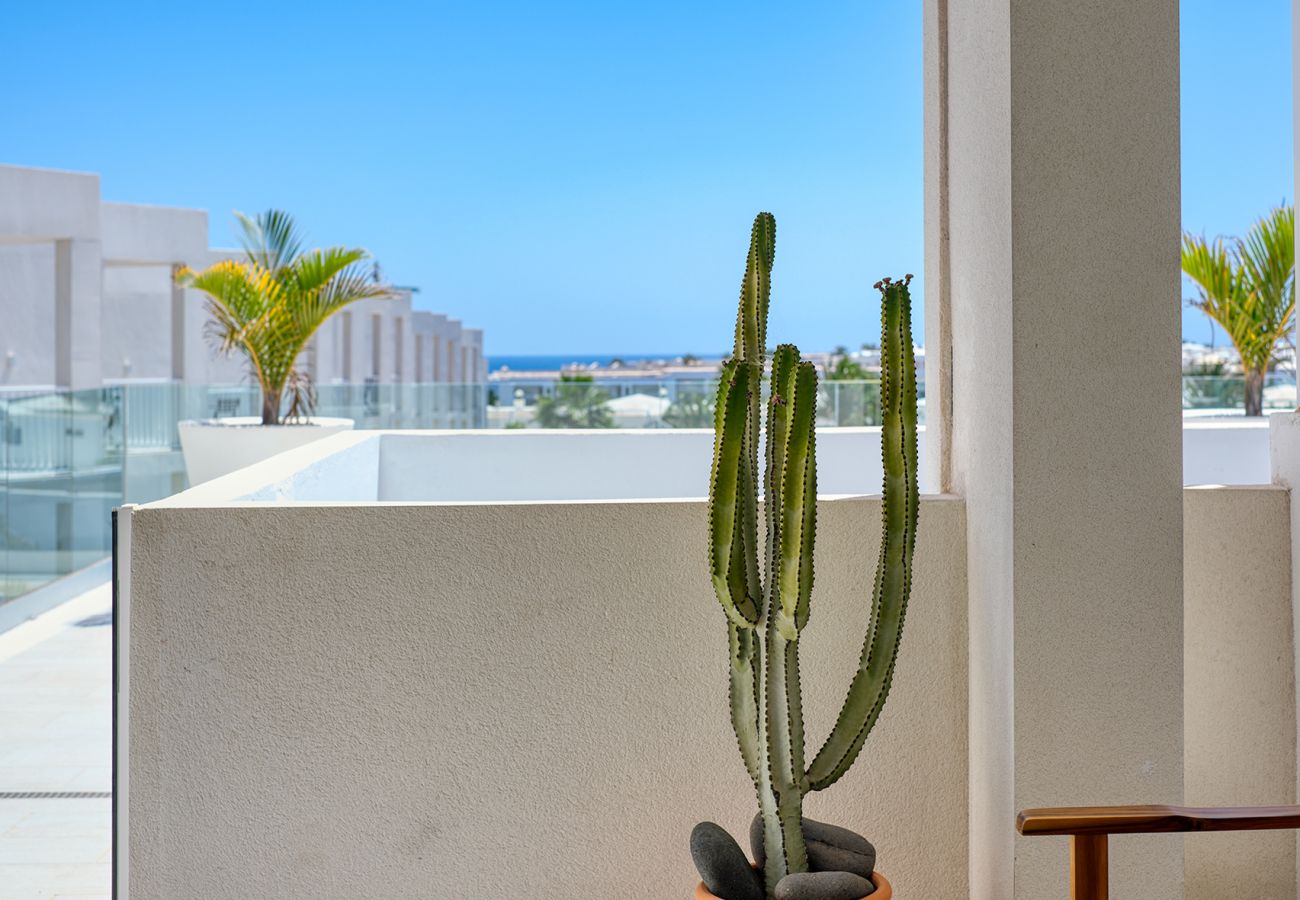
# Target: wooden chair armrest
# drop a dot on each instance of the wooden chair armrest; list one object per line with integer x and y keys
{"x": 1154, "y": 819}
{"x": 1089, "y": 826}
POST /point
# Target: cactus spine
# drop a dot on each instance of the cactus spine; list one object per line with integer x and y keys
{"x": 767, "y": 610}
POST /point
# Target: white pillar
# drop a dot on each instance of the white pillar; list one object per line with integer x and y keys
{"x": 179, "y": 313}
{"x": 77, "y": 289}
{"x": 1284, "y": 460}
{"x": 938, "y": 303}
{"x": 1052, "y": 260}
{"x": 1284, "y": 428}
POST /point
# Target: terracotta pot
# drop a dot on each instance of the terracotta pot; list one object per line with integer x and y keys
{"x": 883, "y": 890}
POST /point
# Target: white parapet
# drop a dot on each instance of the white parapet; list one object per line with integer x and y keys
{"x": 377, "y": 699}
{"x": 354, "y": 678}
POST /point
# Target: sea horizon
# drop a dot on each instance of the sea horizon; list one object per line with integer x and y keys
{"x": 529, "y": 362}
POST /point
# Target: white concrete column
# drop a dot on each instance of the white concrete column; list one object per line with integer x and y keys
{"x": 346, "y": 354}
{"x": 1053, "y": 228}
{"x": 1284, "y": 462}
{"x": 938, "y": 304}
{"x": 78, "y": 354}
{"x": 179, "y": 313}
{"x": 1290, "y": 424}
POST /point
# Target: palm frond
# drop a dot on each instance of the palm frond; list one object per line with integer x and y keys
{"x": 270, "y": 305}
{"x": 1268, "y": 262}
{"x": 239, "y": 296}
{"x": 270, "y": 239}
{"x": 1247, "y": 286}
{"x": 314, "y": 270}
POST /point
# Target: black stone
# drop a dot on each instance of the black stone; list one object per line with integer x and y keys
{"x": 823, "y": 886}
{"x": 722, "y": 864}
{"x": 835, "y": 836}
{"x": 830, "y": 848}
{"x": 756, "y": 841}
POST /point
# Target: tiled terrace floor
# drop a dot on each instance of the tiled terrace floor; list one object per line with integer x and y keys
{"x": 55, "y": 736}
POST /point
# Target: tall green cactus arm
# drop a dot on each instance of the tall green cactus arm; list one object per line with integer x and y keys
{"x": 733, "y": 504}
{"x": 791, "y": 411}
{"x": 909, "y": 433}
{"x": 756, "y": 290}
{"x": 871, "y": 683}
{"x": 743, "y": 697}
{"x": 783, "y": 837}
{"x": 751, "y": 344}
{"x": 780, "y": 416}
{"x": 799, "y": 501}
{"x": 734, "y": 577}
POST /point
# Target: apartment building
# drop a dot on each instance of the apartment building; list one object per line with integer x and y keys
{"x": 87, "y": 297}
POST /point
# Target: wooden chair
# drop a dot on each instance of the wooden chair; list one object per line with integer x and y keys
{"x": 1090, "y": 826}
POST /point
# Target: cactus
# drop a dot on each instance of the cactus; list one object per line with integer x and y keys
{"x": 767, "y": 610}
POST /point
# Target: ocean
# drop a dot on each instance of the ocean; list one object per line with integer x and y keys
{"x": 556, "y": 361}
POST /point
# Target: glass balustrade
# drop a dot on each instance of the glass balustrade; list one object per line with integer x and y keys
{"x": 68, "y": 457}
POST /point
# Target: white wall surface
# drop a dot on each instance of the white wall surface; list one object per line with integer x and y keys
{"x": 27, "y": 314}
{"x": 115, "y": 294}
{"x": 490, "y": 700}
{"x": 136, "y": 301}
{"x": 160, "y": 235}
{"x": 1053, "y": 170}
{"x": 376, "y": 667}
{"x": 601, "y": 464}
{"x": 510, "y": 466}
{"x": 568, "y": 464}
{"x": 1225, "y": 451}
{"x": 1239, "y": 696}
{"x": 543, "y": 464}
{"x": 43, "y": 205}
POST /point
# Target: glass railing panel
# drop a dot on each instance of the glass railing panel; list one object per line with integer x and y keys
{"x": 66, "y": 458}
{"x": 63, "y": 475}
{"x": 1227, "y": 393}
{"x": 9, "y": 586}
{"x": 152, "y": 463}
{"x": 426, "y": 405}
{"x": 656, "y": 404}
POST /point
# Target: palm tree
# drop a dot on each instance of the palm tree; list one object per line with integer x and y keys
{"x": 577, "y": 403}
{"x": 1248, "y": 287}
{"x": 846, "y": 369}
{"x": 691, "y": 409}
{"x": 269, "y": 304}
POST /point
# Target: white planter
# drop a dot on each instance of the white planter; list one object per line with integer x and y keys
{"x": 216, "y": 447}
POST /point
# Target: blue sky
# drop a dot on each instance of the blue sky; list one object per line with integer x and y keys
{"x": 577, "y": 177}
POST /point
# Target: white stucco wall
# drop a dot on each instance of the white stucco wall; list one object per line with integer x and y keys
{"x": 27, "y": 311}
{"x": 600, "y": 464}
{"x": 1052, "y": 230}
{"x": 487, "y": 699}
{"x": 117, "y": 296}
{"x": 137, "y": 301}
{"x": 43, "y": 205}
{"x": 135, "y": 234}
{"x": 1239, "y": 697}
{"x": 542, "y": 464}
{"x": 1225, "y": 451}
{"x": 323, "y": 558}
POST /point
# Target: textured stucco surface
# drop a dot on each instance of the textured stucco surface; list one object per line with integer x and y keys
{"x": 617, "y": 464}
{"x": 1095, "y": 230}
{"x": 1062, "y": 186}
{"x": 499, "y": 700}
{"x": 978, "y": 255}
{"x": 1284, "y": 463}
{"x": 1240, "y": 689}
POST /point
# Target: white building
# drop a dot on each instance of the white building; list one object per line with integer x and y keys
{"x": 87, "y": 297}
